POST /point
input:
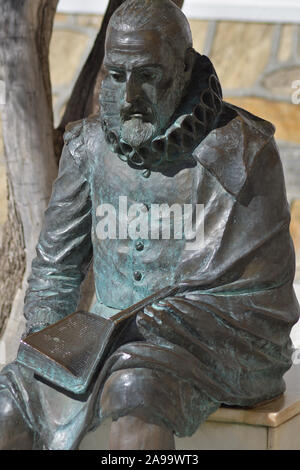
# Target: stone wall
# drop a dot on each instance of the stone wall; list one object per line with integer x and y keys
{"x": 256, "y": 62}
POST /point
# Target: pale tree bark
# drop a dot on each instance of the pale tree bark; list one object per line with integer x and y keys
{"x": 25, "y": 32}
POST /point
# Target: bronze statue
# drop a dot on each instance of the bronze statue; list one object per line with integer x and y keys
{"x": 164, "y": 136}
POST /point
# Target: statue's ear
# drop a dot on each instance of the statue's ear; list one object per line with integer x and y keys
{"x": 190, "y": 58}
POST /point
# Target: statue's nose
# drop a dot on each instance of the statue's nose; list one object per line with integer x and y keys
{"x": 132, "y": 89}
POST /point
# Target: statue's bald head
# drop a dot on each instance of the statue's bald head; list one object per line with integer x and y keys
{"x": 162, "y": 16}
{"x": 149, "y": 61}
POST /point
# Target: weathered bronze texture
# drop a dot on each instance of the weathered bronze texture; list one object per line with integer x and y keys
{"x": 164, "y": 136}
{"x": 55, "y": 357}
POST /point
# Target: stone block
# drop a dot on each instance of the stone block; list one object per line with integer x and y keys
{"x": 241, "y": 52}
{"x": 286, "y": 42}
{"x": 280, "y": 82}
{"x": 67, "y": 49}
{"x": 61, "y": 18}
{"x": 199, "y": 32}
{"x": 90, "y": 21}
{"x": 285, "y": 116}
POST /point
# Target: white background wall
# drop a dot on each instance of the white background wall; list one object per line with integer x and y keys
{"x": 285, "y": 11}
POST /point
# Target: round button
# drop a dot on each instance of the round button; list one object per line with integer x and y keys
{"x": 137, "y": 275}
{"x": 139, "y": 246}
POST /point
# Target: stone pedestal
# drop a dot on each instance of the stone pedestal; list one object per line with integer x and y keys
{"x": 274, "y": 425}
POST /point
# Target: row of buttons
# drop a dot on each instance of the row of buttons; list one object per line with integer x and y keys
{"x": 139, "y": 246}
{"x": 137, "y": 275}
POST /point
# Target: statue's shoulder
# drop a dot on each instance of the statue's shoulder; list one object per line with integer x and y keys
{"x": 82, "y": 135}
{"x": 234, "y": 152}
{"x": 254, "y": 124}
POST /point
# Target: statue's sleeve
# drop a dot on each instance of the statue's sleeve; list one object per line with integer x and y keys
{"x": 64, "y": 249}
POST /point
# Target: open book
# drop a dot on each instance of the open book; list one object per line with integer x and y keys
{"x": 69, "y": 353}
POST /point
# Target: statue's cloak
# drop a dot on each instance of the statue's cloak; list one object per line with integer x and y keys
{"x": 224, "y": 339}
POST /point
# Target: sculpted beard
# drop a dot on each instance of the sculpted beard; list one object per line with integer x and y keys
{"x": 138, "y": 132}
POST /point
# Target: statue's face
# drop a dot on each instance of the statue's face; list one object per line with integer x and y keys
{"x": 145, "y": 81}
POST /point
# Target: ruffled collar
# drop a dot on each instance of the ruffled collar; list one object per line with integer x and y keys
{"x": 193, "y": 120}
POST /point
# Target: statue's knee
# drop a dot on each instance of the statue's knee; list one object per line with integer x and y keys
{"x": 116, "y": 385}
{"x": 124, "y": 390}
{"x": 14, "y": 432}
{"x": 7, "y": 406}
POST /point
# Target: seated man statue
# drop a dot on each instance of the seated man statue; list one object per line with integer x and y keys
{"x": 164, "y": 137}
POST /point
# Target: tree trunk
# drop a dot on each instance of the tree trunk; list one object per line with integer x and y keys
{"x": 25, "y": 32}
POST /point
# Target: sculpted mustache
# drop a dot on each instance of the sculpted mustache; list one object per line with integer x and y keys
{"x": 128, "y": 111}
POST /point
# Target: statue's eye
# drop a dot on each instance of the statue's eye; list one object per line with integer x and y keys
{"x": 147, "y": 75}
{"x": 118, "y": 76}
